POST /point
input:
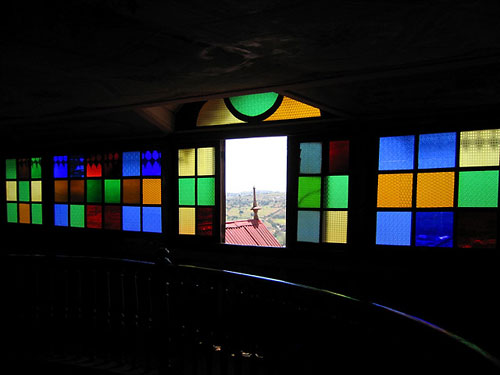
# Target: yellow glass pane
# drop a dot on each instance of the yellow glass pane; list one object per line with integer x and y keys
{"x": 335, "y": 226}
{"x": 395, "y": 190}
{"x": 435, "y": 189}
{"x": 215, "y": 112}
{"x": 24, "y": 213}
{"x": 36, "y": 191}
{"x": 186, "y": 161}
{"x": 292, "y": 109}
{"x": 480, "y": 148}
{"x": 187, "y": 220}
{"x": 12, "y": 191}
{"x": 206, "y": 161}
{"x": 151, "y": 191}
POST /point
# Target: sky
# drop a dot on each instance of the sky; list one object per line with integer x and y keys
{"x": 259, "y": 162}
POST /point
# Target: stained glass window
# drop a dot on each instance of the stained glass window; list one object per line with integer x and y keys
{"x": 323, "y": 192}
{"x": 23, "y": 187}
{"x": 110, "y": 190}
{"x": 426, "y": 198}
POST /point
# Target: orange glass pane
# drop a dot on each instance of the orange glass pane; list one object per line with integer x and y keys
{"x": 151, "y": 191}
{"x": 187, "y": 220}
{"x": 24, "y": 213}
{"x": 435, "y": 189}
{"x": 292, "y": 109}
{"x": 132, "y": 191}
{"x": 395, "y": 190}
{"x": 61, "y": 191}
{"x": 77, "y": 189}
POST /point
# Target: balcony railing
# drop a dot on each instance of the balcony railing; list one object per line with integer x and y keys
{"x": 123, "y": 316}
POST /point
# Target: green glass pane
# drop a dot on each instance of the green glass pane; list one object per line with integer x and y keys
{"x": 112, "y": 191}
{"x": 36, "y": 168}
{"x": 77, "y": 215}
{"x": 336, "y": 191}
{"x": 254, "y": 104}
{"x": 186, "y": 192}
{"x": 24, "y": 191}
{"x": 309, "y": 192}
{"x": 206, "y": 191}
{"x": 94, "y": 191}
{"x": 36, "y": 213}
{"x": 12, "y": 212}
{"x": 478, "y": 189}
{"x": 10, "y": 169}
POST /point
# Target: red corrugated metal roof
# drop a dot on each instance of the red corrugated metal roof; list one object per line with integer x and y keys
{"x": 249, "y": 232}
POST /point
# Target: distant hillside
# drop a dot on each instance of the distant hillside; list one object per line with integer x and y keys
{"x": 272, "y": 213}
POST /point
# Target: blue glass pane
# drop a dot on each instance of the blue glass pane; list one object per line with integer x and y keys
{"x": 310, "y": 157}
{"x": 308, "y": 226}
{"x": 151, "y": 219}
{"x": 131, "y": 164}
{"x": 61, "y": 215}
{"x": 131, "y": 217}
{"x": 434, "y": 229}
{"x": 60, "y": 166}
{"x": 394, "y": 228}
{"x": 437, "y": 150}
{"x": 396, "y": 153}
{"x": 76, "y": 166}
{"x": 151, "y": 163}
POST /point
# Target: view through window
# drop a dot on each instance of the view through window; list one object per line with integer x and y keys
{"x": 256, "y": 175}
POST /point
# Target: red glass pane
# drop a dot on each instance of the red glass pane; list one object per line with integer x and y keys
{"x": 94, "y": 217}
{"x": 111, "y": 165}
{"x": 205, "y": 221}
{"x": 24, "y": 169}
{"x": 112, "y": 217}
{"x": 338, "y": 158}
{"x": 476, "y": 229}
{"x": 94, "y": 166}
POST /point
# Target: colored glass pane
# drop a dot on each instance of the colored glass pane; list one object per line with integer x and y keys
{"x": 94, "y": 165}
{"x": 94, "y": 191}
{"x": 12, "y": 212}
{"x": 77, "y": 190}
{"x": 309, "y": 192}
{"x": 310, "y": 158}
{"x": 112, "y": 191}
{"x": 131, "y": 191}
{"x": 336, "y": 191}
{"x": 187, "y": 191}
{"x": 60, "y": 166}
{"x": 61, "y": 215}
{"x": 335, "y": 226}
{"x": 151, "y": 219}
{"x": 24, "y": 213}
{"x": 11, "y": 190}
{"x": 151, "y": 165}
{"x": 480, "y": 148}
{"x": 111, "y": 165}
{"x": 478, "y": 189}
{"x": 94, "y": 216}
{"x": 36, "y": 191}
{"x": 206, "y": 161}
{"x": 205, "y": 221}
{"x": 395, "y": 190}
{"x": 338, "y": 157}
{"x": 131, "y": 164}
{"x": 77, "y": 215}
{"x": 187, "y": 220}
{"x": 254, "y": 104}
{"x": 476, "y": 229}
{"x": 151, "y": 191}
{"x": 131, "y": 218}
{"x": 215, "y": 112}
{"x": 393, "y": 228}
{"x": 437, "y": 150}
{"x": 206, "y": 191}
{"x": 76, "y": 166}
{"x": 434, "y": 229}
{"x": 11, "y": 169}
{"x": 396, "y": 153}
{"x": 112, "y": 217}
{"x": 435, "y": 189}
{"x": 24, "y": 191}
{"x": 291, "y": 109}
{"x": 186, "y": 162}
{"x": 36, "y": 213}
{"x": 24, "y": 168}
{"x": 36, "y": 168}
{"x": 308, "y": 226}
